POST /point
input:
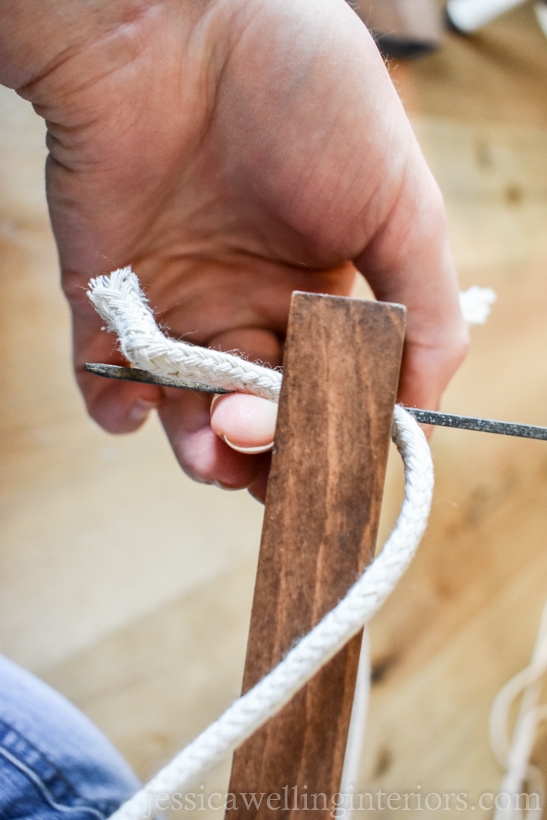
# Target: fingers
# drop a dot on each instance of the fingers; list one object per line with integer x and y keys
{"x": 118, "y": 407}
{"x": 201, "y": 450}
{"x": 246, "y": 423}
{"x": 202, "y": 454}
{"x": 409, "y": 262}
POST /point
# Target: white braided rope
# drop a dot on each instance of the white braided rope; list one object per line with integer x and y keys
{"x": 119, "y": 300}
{"x": 513, "y": 754}
{"x": 363, "y": 599}
{"x": 121, "y": 303}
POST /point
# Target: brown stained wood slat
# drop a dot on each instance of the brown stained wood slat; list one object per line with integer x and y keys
{"x": 341, "y": 369}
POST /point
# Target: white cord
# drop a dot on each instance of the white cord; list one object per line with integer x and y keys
{"x": 124, "y": 308}
{"x": 119, "y": 300}
{"x": 513, "y": 754}
{"x": 316, "y": 648}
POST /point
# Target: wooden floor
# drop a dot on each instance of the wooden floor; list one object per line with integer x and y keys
{"x": 141, "y": 618}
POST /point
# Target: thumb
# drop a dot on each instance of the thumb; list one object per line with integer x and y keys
{"x": 246, "y": 423}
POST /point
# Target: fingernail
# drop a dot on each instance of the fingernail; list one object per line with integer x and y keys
{"x": 216, "y": 397}
{"x": 141, "y": 409}
{"x": 249, "y": 451}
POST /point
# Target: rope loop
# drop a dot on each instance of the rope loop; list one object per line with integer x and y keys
{"x": 123, "y": 307}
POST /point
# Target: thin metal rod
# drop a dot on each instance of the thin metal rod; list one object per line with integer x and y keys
{"x": 133, "y": 374}
{"x": 503, "y": 428}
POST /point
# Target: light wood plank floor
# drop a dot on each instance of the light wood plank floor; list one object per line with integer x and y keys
{"x": 141, "y": 618}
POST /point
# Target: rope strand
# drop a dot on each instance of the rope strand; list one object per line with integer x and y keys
{"x": 120, "y": 302}
{"x": 122, "y": 305}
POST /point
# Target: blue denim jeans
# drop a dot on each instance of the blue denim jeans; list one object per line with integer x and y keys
{"x": 53, "y": 762}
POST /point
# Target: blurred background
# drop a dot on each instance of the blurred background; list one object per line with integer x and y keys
{"x": 128, "y": 587}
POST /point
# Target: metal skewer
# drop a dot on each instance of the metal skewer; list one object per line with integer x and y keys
{"x": 133, "y": 374}
{"x": 503, "y": 428}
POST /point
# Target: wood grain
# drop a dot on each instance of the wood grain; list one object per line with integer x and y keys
{"x": 341, "y": 371}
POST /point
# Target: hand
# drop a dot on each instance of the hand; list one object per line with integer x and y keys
{"x": 233, "y": 151}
